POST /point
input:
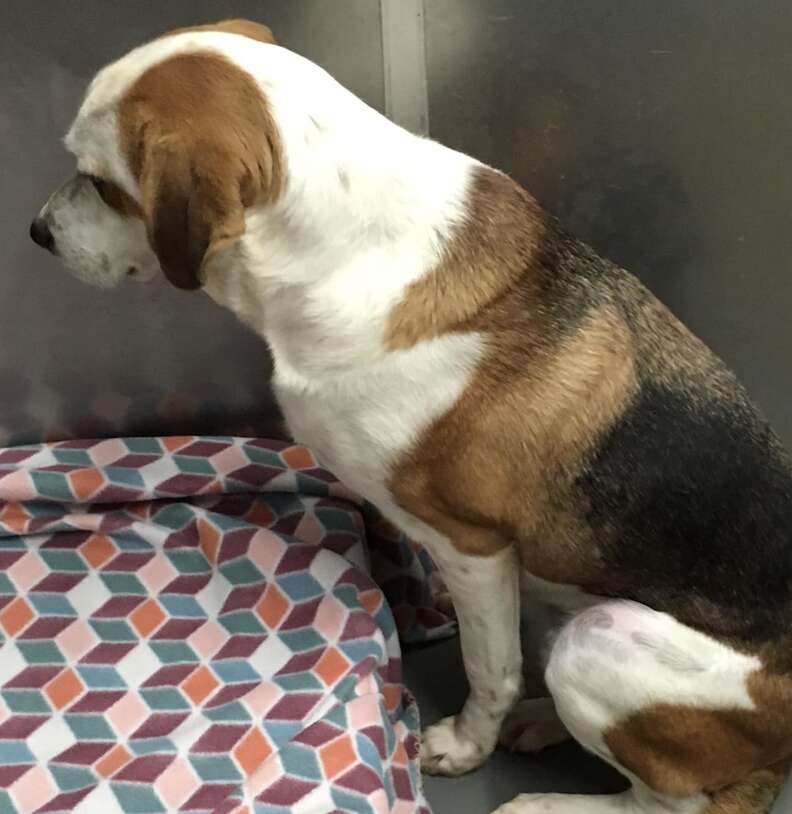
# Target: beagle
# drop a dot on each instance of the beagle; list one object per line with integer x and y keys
{"x": 525, "y": 409}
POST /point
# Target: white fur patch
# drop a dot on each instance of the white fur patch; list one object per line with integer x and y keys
{"x": 619, "y": 657}
{"x": 358, "y": 422}
{"x": 95, "y": 243}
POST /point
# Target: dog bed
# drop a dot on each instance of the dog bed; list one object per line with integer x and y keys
{"x": 194, "y": 624}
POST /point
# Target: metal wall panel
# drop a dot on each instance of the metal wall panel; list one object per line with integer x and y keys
{"x": 76, "y": 361}
{"x": 661, "y": 132}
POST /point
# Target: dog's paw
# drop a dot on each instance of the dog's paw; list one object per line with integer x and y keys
{"x": 448, "y": 752}
{"x": 532, "y": 725}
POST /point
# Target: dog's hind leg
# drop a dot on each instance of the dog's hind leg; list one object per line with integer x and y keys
{"x": 676, "y": 711}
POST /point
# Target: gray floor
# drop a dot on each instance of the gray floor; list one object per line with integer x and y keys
{"x": 434, "y": 674}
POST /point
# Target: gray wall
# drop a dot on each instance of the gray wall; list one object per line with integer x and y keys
{"x": 75, "y": 361}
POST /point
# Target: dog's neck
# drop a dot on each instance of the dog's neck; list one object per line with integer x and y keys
{"x": 366, "y": 211}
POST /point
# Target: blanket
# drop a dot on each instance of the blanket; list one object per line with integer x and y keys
{"x": 194, "y": 624}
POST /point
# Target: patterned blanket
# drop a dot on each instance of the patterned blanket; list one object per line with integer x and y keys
{"x": 194, "y": 624}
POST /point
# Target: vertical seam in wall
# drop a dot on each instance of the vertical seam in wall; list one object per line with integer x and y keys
{"x": 404, "y": 64}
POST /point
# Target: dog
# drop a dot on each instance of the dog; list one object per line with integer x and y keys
{"x": 523, "y": 408}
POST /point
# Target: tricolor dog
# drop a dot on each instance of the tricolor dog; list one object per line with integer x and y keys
{"x": 522, "y": 407}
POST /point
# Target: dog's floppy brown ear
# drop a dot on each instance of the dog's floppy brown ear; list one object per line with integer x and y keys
{"x": 203, "y": 146}
{"x": 191, "y": 212}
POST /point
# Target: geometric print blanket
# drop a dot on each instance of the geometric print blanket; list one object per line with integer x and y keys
{"x": 195, "y": 624}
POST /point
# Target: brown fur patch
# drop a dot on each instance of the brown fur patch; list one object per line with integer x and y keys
{"x": 487, "y": 255}
{"x": 245, "y": 28}
{"x": 535, "y": 408}
{"x": 552, "y": 409}
{"x": 682, "y": 751}
{"x": 200, "y": 139}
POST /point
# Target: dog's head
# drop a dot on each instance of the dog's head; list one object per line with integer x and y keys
{"x": 173, "y": 144}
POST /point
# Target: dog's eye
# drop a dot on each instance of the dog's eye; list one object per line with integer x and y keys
{"x": 99, "y": 185}
{"x": 113, "y": 196}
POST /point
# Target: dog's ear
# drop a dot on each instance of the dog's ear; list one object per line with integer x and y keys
{"x": 201, "y": 142}
{"x": 245, "y": 28}
{"x": 193, "y": 207}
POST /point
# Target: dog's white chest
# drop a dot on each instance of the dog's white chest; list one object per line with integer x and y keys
{"x": 358, "y": 423}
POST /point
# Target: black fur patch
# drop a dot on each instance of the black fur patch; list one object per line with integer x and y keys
{"x": 690, "y": 500}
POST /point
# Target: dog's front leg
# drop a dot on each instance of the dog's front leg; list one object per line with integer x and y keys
{"x": 485, "y": 592}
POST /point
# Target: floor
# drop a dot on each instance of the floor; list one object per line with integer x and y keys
{"x": 435, "y": 675}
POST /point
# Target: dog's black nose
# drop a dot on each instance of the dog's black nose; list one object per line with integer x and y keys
{"x": 41, "y": 234}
